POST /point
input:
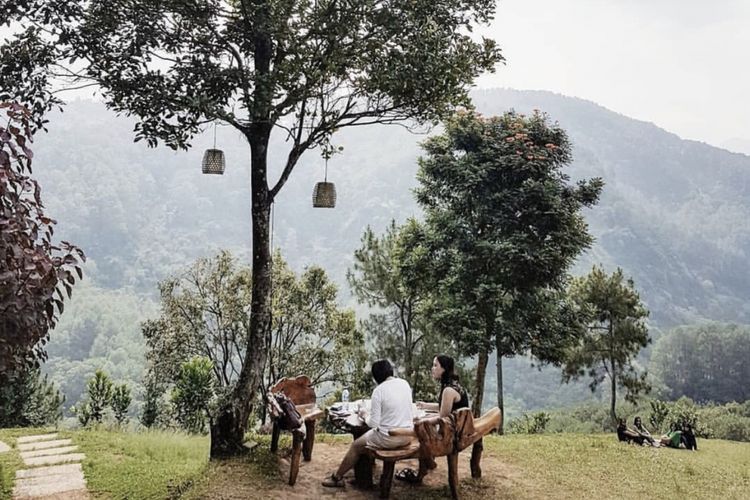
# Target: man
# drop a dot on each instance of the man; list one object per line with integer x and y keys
{"x": 391, "y": 408}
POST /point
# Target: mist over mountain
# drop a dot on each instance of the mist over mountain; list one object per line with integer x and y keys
{"x": 673, "y": 213}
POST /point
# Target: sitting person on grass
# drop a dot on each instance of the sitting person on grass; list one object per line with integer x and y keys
{"x": 640, "y": 429}
{"x": 391, "y": 408}
{"x": 452, "y": 397}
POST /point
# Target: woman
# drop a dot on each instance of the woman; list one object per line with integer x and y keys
{"x": 640, "y": 429}
{"x": 391, "y": 409}
{"x": 452, "y": 397}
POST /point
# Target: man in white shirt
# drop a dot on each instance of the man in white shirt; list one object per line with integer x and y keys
{"x": 391, "y": 409}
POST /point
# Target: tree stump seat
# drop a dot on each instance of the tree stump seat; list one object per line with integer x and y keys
{"x": 436, "y": 437}
{"x": 300, "y": 391}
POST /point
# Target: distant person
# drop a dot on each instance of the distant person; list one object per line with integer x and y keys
{"x": 451, "y": 397}
{"x": 688, "y": 438}
{"x": 628, "y": 435}
{"x": 640, "y": 429}
{"x": 391, "y": 408}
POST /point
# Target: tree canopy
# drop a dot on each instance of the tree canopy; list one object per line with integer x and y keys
{"x": 505, "y": 225}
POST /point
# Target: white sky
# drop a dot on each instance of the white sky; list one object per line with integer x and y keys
{"x": 681, "y": 64}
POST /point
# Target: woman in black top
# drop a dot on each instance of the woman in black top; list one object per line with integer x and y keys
{"x": 452, "y": 395}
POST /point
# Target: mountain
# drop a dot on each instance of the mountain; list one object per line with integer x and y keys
{"x": 673, "y": 213}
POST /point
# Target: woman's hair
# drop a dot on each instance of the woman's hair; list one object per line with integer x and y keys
{"x": 381, "y": 370}
{"x": 449, "y": 366}
{"x": 637, "y": 419}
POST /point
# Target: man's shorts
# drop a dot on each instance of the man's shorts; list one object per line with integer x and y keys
{"x": 376, "y": 439}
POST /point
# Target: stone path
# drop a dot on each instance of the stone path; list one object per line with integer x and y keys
{"x": 54, "y": 471}
{"x": 4, "y": 447}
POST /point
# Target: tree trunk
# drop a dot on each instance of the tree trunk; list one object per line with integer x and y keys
{"x": 476, "y": 406}
{"x": 499, "y": 366}
{"x": 228, "y": 431}
{"x": 613, "y": 377}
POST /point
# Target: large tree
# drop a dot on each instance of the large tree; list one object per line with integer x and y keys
{"x": 306, "y": 68}
{"x": 616, "y": 332}
{"x": 506, "y": 225}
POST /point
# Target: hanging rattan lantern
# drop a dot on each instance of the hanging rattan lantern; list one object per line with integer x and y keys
{"x": 213, "y": 159}
{"x": 324, "y": 193}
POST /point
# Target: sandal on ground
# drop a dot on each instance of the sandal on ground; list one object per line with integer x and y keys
{"x": 334, "y": 482}
{"x": 408, "y": 476}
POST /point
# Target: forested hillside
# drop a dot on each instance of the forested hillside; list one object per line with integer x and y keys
{"x": 673, "y": 215}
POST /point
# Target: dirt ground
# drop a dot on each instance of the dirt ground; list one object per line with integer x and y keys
{"x": 499, "y": 480}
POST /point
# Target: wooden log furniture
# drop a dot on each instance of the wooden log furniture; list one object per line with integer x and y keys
{"x": 436, "y": 437}
{"x": 302, "y": 394}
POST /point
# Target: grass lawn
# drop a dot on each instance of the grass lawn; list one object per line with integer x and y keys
{"x": 143, "y": 465}
{"x": 578, "y": 466}
{"x": 159, "y": 465}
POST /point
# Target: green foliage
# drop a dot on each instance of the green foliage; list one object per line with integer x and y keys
{"x": 391, "y": 276}
{"x": 205, "y": 312}
{"x": 35, "y": 272}
{"x": 29, "y": 400}
{"x": 616, "y": 332}
{"x": 659, "y": 413}
{"x": 120, "y": 402}
{"x": 99, "y": 391}
{"x": 535, "y": 423}
{"x": 503, "y": 226}
{"x": 193, "y": 393}
{"x": 310, "y": 334}
{"x": 152, "y": 403}
{"x": 707, "y": 362}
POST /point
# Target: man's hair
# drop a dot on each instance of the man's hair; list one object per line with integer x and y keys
{"x": 381, "y": 370}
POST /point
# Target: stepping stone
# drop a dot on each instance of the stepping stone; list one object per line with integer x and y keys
{"x": 67, "y": 495}
{"x": 48, "y": 451}
{"x": 26, "y": 489}
{"x": 52, "y": 470}
{"x": 38, "y": 437}
{"x": 40, "y": 445}
{"x": 4, "y": 447}
{"x": 54, "y": 459}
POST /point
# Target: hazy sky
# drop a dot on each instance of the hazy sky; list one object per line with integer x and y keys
{"x": 682, "y": 64}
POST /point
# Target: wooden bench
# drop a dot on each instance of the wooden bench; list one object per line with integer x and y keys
{"x": 436, "y": 437}
{"x": 302, "y": 394}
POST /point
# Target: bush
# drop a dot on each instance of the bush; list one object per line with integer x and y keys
{"x": 534, "y": 424}
{"x": 193, "y": 393}
{"x": 120, "y": 402}
{"x": 29, "y": 400}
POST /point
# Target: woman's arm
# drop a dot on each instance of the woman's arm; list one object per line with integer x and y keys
{"x": 450, "y": 396}
{"x": 428, "y": 406}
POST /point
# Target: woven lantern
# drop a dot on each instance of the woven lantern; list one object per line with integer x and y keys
{"x": 324, "y": 193}
{"x": 213, "y": 159}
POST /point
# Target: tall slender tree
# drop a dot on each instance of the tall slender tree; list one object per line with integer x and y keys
{"x": 303, "y": 67}
{"x": 617, "y": 331}
{"x": 505, "y": 226}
